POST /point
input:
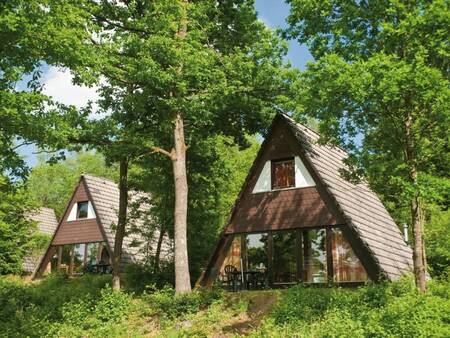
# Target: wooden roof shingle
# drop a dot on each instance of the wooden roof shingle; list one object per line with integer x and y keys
{"x": 46, "y": 224}
{"x": 360, "y": 206}
{"x": 105, "y": 198}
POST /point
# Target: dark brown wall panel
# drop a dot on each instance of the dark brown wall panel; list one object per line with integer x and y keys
{"x": 282, "y": 209}
{"x": 79, "y": 231}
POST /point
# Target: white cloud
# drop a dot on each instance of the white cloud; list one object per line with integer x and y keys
{"x": 58, "y": 84}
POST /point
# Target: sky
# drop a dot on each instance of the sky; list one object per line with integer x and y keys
{"x": 58, "y": 83}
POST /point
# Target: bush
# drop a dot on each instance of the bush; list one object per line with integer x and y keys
{"x": 138, "y": 276}
{"x": 171, "y": 306}
{"x": 381, "y": 310}
{"x": 29, "y": 309}
{"x": 87, "y": 317}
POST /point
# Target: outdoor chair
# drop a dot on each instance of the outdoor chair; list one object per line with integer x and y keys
{"x": 232, "y": 278}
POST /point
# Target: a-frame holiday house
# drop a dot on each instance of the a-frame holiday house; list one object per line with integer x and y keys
{"x": 84, "y": 239}
{"x": 297, "y": 220}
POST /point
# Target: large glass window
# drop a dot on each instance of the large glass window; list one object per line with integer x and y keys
{"x": 232, "y": 260}
{"x": 284, "y": 257}
{"x": 315, "y": 256}
{"x": 346, "y": 265}
{"x": 283, "y": 174}
{"x": 82, "y": 209}
{"x": 257, "y": 258}
{"x": 93, "y": 251}
{"x": 78, "y": 258}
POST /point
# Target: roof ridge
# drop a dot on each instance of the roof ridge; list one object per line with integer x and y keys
{"x": 47, "y": 208}
{"x": 298, "y": 124}
{"x": 98, "y": 177}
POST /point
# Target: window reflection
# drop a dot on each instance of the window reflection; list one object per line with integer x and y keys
{"x": 315, "y": 258}
{"x": 82, "y": 210}
{"x": 75, "y": 258}
{"x": 79, "y": 254}
{"x": 284, "y": 257}
{"x": 93, "y": 253}
{"x": 346, "y": 265}
{"x": 257, "y": 252}
{"x": 233, "y": 258}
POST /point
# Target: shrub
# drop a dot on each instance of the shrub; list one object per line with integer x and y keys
{"x": 171, "y": 306}
{"x": 27, "y": 309}
{"x": 87, "y": 317}
{"x": 306, "y": 303}
{"x": 138, "y": 276}
{"x": 381, "y": 310}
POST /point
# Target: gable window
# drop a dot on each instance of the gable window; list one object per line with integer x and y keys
{"x": 283, "y": 174}
{"x": 82, "y": 210}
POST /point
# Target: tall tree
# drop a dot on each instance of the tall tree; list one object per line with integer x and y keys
{"x": 380, "y": 88}
{"x": 217, "y": 168}
{"x": 180, "y": 71}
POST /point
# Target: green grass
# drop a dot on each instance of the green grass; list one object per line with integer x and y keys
{"x": 87, "y": 307}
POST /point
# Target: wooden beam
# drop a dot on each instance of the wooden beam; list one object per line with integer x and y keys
{"x": 58, "y": 264}
{"x": 329, "y": 250}
{"x": 306, "y": 256}
{"x": 299, "y": 254}
{"x": 244, "y": 257}
{"x": 72, "y": 259}
{"x": 85, "y": 254}
{"x": 270, "y": 258}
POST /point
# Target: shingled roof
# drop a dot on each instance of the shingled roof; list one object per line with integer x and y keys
{"x": 46, "y": 224}
{"x": 360, "y": 206}
{"x": 373, "y": 231}
{"x": 105, "y": 198}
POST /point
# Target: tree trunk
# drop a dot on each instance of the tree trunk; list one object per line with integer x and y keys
{"x": 419, "y": 248}
{"x": 182, "y": 278}
{"x": 122, "y": 221}
{"x": 158, "y": 248}
{"x": 416, "y": 219}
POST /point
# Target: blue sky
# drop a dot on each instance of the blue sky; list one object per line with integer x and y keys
{"x": 58, "y": 83}
{"x": 274, "y": 14}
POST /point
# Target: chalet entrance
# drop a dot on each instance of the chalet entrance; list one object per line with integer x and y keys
{"x": 283, "y": 258}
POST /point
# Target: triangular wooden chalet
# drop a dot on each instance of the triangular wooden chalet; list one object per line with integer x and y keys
{"x": 297, "y": 220}
{"x": 84, "y": 238}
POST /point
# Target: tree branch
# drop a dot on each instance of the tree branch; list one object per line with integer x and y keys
{"x": 171, "y": 155}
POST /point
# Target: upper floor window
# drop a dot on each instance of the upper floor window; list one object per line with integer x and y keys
{"x": 82, "y": 210}
{"x": 283, "y": 173}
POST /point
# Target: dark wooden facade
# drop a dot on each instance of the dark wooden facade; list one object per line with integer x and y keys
{"x": 286, "y": 209}
{"x": 281, "y": 209}
{"x": 78, "y": 231}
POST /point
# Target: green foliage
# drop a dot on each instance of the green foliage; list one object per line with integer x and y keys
{"x": 169, "y": 305}
{"x": 217, "y": 168}
{"x": 382, "y": 310}
{"x": 87, "y": 307}
{"x": 31, "y": 309}
{"x": 437, "y": 239}
{"x": 138, "y": 277}
{"x": 380, "y": 89}
{"x": 63, "y": 176}
{"x": 29, "y": 38}
{"x": 93, "y": 317}
{"x": 17, "y": 232}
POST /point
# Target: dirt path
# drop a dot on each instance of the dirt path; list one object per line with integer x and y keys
{"x": 260, "y": 304}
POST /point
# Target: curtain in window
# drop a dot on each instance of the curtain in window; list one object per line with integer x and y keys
{"x": 283, "y": 174}
{"x": 346, "y": 265}
{"x": 233, "y": 256}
